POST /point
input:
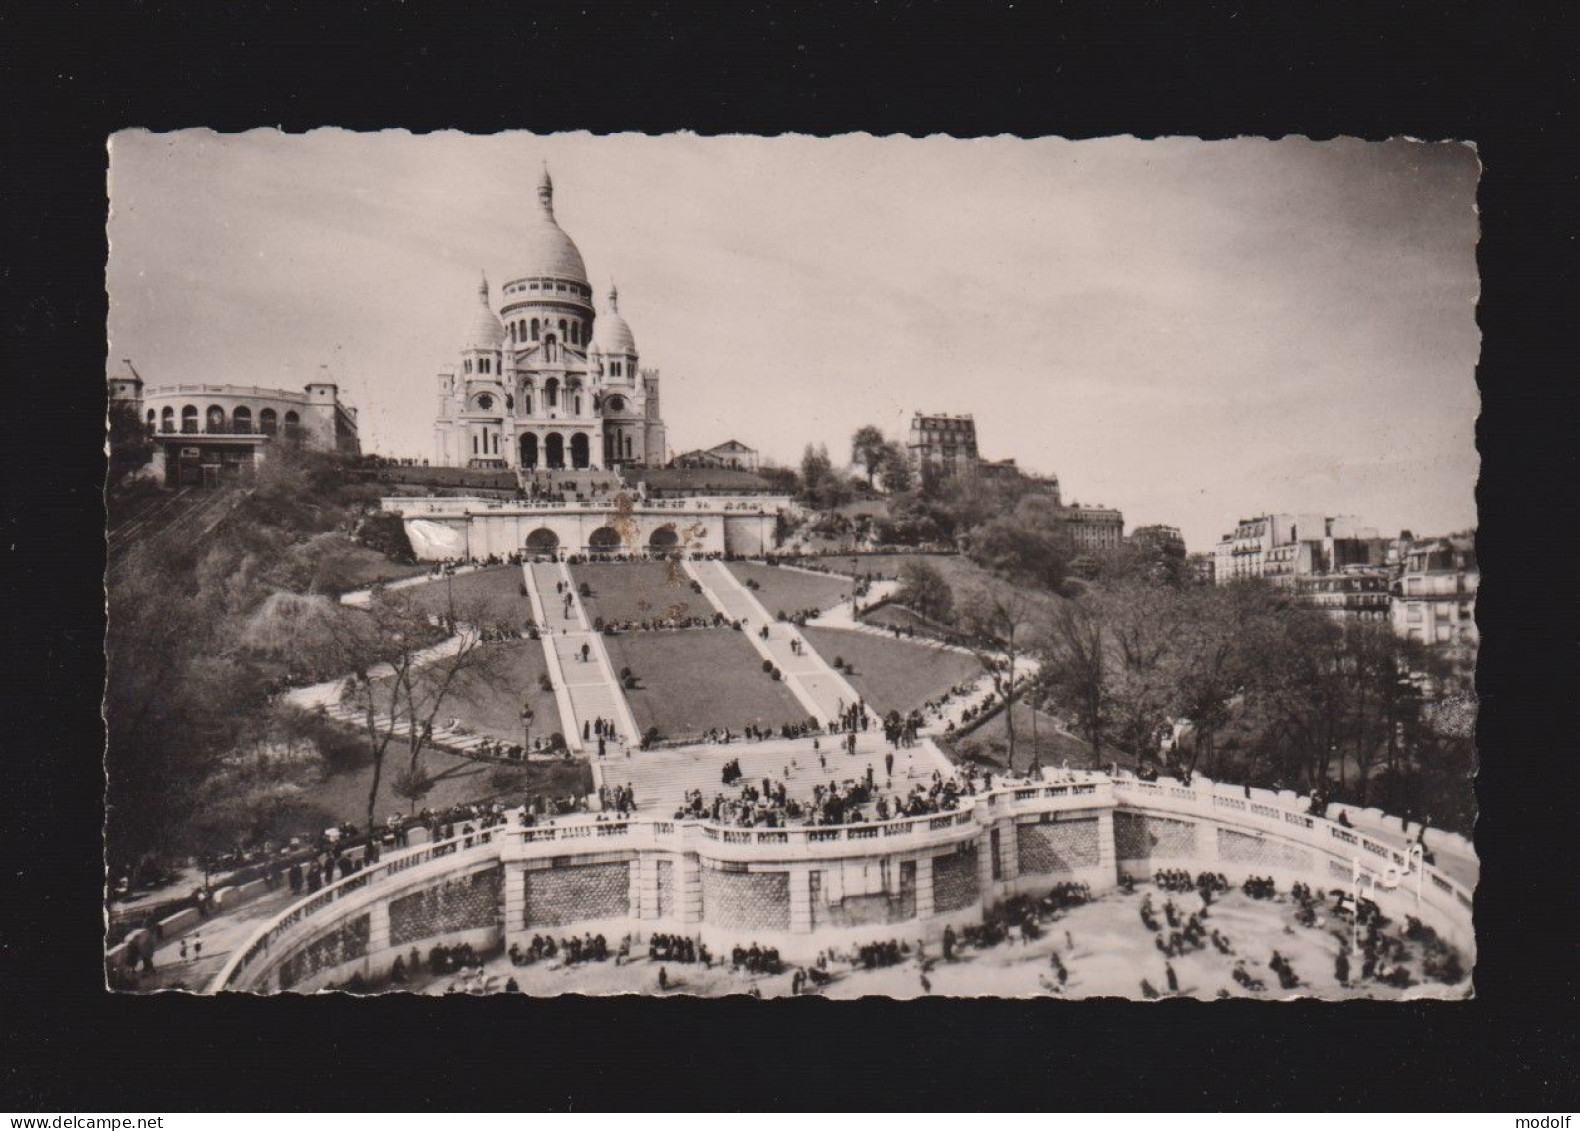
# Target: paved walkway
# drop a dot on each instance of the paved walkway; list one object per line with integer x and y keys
{"x": 661, "y": 778}
{"x": 820, "y": 689}
{"x": 359, "y": 597}
{"x": 584, "y": 680}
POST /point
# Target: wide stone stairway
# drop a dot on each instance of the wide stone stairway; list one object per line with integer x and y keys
{"x": 584, "y": 681}
{"x": 821, "y": 690}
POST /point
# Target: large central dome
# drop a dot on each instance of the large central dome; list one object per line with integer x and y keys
{"x": 548, "y": 250}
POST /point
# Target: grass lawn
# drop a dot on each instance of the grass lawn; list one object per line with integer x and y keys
{"x": 624, "y": 591}
{"x": 490, "y": 702}
{"x": 493, "y": 595}
{"x": 990, "y": 741}
{"x": 789, "y": 590}
{"x": 690, "y": 680}
{"x": 894, "y": 675}
{"x": 344, "y": 796}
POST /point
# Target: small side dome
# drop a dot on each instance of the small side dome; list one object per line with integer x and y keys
{"x": 611, "y": 333}
{"x": 486, "y": 331}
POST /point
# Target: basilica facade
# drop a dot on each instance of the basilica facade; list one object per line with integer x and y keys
{"x": 547, "y": 381}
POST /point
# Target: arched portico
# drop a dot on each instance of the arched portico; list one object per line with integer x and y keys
{"x": 664, "y": 539}
{"x": 580, "y": 451}
{"x": 554, "y": 450}
{"x": 543, "y": 541}
{"x": 529, "y": 449}
{"x": 604, "y": 540}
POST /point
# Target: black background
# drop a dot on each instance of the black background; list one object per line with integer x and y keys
{"x": 75, "y": 73}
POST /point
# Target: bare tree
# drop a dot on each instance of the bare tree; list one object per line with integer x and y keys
{"x": 1075, "y": 667}
{"x": 997, "y": 620}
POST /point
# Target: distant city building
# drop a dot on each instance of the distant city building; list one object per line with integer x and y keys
{"x": 1201, "y": 567}
{"x": 1163, "y": 539}
{"x": 1356, "y": 592}
{"x": 946, "y": 441}
{"x": 1282, "y": 548}
{"x": 204, "y": 435}
{"x": 1094, "y": 529}
{"x": 731, "y": 454}
{"x": 1434, "y": 596}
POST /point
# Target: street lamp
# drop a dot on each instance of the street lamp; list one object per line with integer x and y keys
{"x": 853, "y": 580}
{"x": 527, "y": 715}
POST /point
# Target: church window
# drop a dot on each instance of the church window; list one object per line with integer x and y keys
{"x": 292, "y": 420}
{"x": 167, "y": 420}
{"x": 578, "y": 404}
{"x": 268, "y": 422}
{"x": 534, "y": 329}
{"x": 526, "y": 403}
{"x": 563, "y": 334}
{"x": 628, "y": 447}
{"x": 466, "y": 366}
{"x": 485, "y": 402}
{"x": 474, "y": 444}
{"x": 551, "y": 392}
{"x": 532, "y": 286}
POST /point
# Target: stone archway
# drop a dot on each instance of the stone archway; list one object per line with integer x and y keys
{"x": 554, "y": 450}
{"x": 529, "y": 449}
{"x": 543, "y": 541}
{"x": 664, "y": 540}
{"x": 580, "y": 454}
{"x": 604, "y": 540}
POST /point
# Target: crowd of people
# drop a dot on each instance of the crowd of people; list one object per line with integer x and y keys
{"x": 618, "y": 799}
{"x": 756, "y": 959}
{"x": 572, "y": 950}
{"x": 677, "y": 948}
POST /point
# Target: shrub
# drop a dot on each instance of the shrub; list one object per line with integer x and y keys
{"x": 839, "y": 663}
{"x": 629, "y": 682}
{"x": 545, "y": 682}
{"x": 585, "y": 590}
{"x": 768, "y": 666}
{"x": 777, "y": 674}
{"x": 625, "y": 673}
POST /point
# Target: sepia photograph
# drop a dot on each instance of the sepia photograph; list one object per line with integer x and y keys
{"x": 791, "y": 566}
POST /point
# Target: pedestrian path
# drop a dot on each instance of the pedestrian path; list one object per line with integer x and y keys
{"x": 584, "y": 681}
{"x": 821, "y": 690}
{"x": 660, "y": 779}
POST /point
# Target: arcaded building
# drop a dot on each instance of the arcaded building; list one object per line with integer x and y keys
{"x": 546, "y": 380}
{"x": 206, "y": 434}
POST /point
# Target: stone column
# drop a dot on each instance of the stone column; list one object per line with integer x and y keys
{"x": 688, "y": 888}
{"x": 801, "y": 900}
{"x": 1008, "y": 852}
{"x": 378, "y": 940}
{"x": 924, "y": 887}
{"x": 1107, "y": 852}
{"x": 515, "y": 902}
{"x": 987, "y": 887}
{"x": 644, "y": 887}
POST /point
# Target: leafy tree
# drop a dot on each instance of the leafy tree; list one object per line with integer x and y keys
{"x": 1029, "y": 546}
{"x": 867, "y": 447}
{"x": 895, "y": 469}
{"x": 923, "y": 588}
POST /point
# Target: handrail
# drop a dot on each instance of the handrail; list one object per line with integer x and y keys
{"x": 1011, "y": 798}
{"x": 257, "y": 944}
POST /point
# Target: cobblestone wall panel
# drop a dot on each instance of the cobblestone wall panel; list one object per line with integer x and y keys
{"x": 462, "y": 903}
{"x": 955, "y": 884}
{"x": 746, "y": 901}
{"x": 345, "y": 943}
{"x": 1059, "y": 846}
{"x": 557, "y": 897}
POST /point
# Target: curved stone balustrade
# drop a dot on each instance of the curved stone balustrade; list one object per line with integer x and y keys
{"x": 804, "y": 888}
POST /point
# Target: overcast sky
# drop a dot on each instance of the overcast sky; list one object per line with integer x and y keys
{"x": 1190, "y": 331}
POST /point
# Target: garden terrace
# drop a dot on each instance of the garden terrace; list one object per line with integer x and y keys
{"x": 494, "y": 593}
{"x": 789, "y": 591}
{"x": 637, "y": 591}
{"x": 894, "y": 675}
{"x": 689, "y": 682}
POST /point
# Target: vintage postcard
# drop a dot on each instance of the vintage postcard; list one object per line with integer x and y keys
{"x": 840, "y": 566}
